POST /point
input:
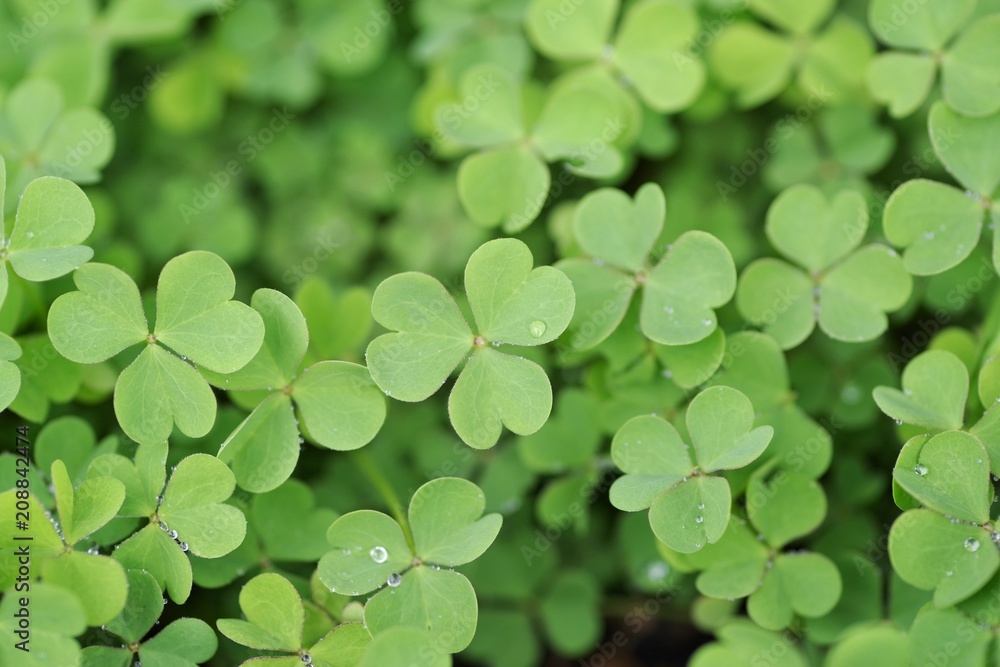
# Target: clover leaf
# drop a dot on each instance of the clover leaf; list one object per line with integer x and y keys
{"x": 275, "y": 619}
{"x": 264, "y": 449}
{"x": 512, "y": 304}
{"x": 680, "y": 292}
{"x": 935, "y": 388}
{"x": 507, "y": 182}
{"x": 57, "y": 616}
{"x": 10, "y": 376}
{"x": 196, "y": 320}
{"x": 53, "y": 218}
{"x": 185, "y": 642}
{"x": 902, "y": 79}
{"x": 649, "y": 49}
{"x": 688, "y": 507}
{"x": 372, "y": 552}
{"x": 186, "y": 513}
{"x": 846, "y": 292}
{"x": 98, "y": 581}
{"x": 741, "y": 642}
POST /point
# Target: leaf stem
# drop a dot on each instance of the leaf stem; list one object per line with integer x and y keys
{"x": 385, "y": 490}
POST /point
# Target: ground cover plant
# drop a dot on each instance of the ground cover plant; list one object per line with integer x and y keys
{"x": 499, "y": 332}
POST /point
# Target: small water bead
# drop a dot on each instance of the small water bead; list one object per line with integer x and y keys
{"x": 379, "y": 554}
{"x": 395, "y": 579}
{"x": 184, "y": 546}
{"x": 920, "y": 469}
{"x": 93, "y": 551}
{"x": 972, "y": 544}
{"x": 701, "y": 506}
{"x": 306, "y": 658}
{"x": 899, "y": 422}
{"x": 172, "y": 534}
{"x": 699, "y": 519}
{"x": 538, "y": 328}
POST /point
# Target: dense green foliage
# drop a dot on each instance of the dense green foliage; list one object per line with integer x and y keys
{"x": 485, "y": 331}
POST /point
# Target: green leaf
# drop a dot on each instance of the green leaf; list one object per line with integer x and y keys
{"x": 98, "y": 581}
{"x": 143, "y": 606}
{"x": 814, "y": 231}
{"x": 570, "y": 612}
{"x": 153, "y": 550}
{"x": 603, "y": 295}
{"x": 741, "y": 642}
{"x": 512, "y": 302}
{"x": 926, "y": 27}
{"x": 778, "y": 297}
{"x": 193, "y": 506}
{"x": 488, "y": 112}
{"x": 930, "y": 552}
{"x": 195, "y": 317}
{"x": 690, "y": 366}
{"x": 445, "y": 517}
{"x": 497, "y": 390}
{"x": 289, "y": 525}
{"x": 439, "y": 601}
{"x": 433, "y": 336}
{"x": 359, "y": 411}
{"x": 346, "y": 645}
{"x": 855, "y": 296}
{"x": 970, "y": 76}
{"x": 651, "y": 49}
{"x": 784, "y": 506}
{"x": 720, "y": 423}
{"x": 653, "y": 456}
{"x": 157, "y": 391}
{"x": 617, "y": 230}
{"x": 886, "y": 645}
{"x": 92, "y": 505}
{"x": 274, "y": 614}
{"x": 187, "y": 642}
{"x": 692, "y": 514}
{"x": 952, "y": 476}
{"x": 935, "y": 387}
{"x": 937, "y": 225}
{"x": 962, "y": 144}
{"x": 368, "y": 546}
{"x": 396, "y": 646}
{"x": 100, "y": 320}
{"x": 901, "y": 80}
{"x": 53, "y": 217}
{"x": 503, "y": 186}
{"x": 797, "y": 17}
{"x": 696, "y": 275}
{"x": 799, "y": 584}
{"x": 578, "y": 34}
{"x": 755, "y": 62}
{"x": 264, "y": 448}
{"x": 10, "y": 376}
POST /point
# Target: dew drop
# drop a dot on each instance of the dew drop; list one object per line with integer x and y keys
{"x": 537, "y": 328}
{"x": 93, "y": 551}
{"x": 920, "y": 469}
{"x": 899, "y": 422}
{"x": 701, "y": 506}
{"x": 972, "y": 544}
{"x": 306, "y": 658}
{"x": 657, "y": 571}
{"x": 172, "y": 534}
{"x": 379, "y": 554}
{"x": 184, "y": 546}
{"x": 699, "y": 519}
{"x": 394, "y": 579}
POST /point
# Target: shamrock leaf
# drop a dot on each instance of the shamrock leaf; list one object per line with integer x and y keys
{"x": 53, "y": 217}
{"x": 275, "y": 620}
{"x": 740, "y": 643}
{"x": 195, "y": 319}
{"x": 935, "y": 388}
{"x": 264, "y": 449}
{"x": 371, "y": 552}
{"x": 931, "y": 552}
{"x": 846, "y": 292}
{"x": 507, "y": 182}
{"x": 185, "y": 642}
{"x": 289, "y": 525}
{"x": 10, "y": 376}
{"x": 687, "y": 507}
{"x": 650, "y": 47}
{"x": 511, "y": 303}
{"x": 680, "y": 293}
{"x": 56, "y": 617}
{"x": 397, "y": 645}
{"x": 805, "y": 584}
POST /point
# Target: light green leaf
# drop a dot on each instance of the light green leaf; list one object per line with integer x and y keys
{"x": 98, "y": 581}
{"x": 272, "y": 605}
{"x": 901, "y": 80}
{"x": 653, "y": 456}
{"x": 440, "y": 601}
{"x": 289, "y": 525}
{"x": 937, "y": 225}
{"x": 618, "y": 230}
{"x": 933, "y": 634}
{"x": 926, "y": 26}
{"x": 793, "y": 15}
{"x": 784, "y": 505}
{"x": 153, "y": 550}
{"x": 952, "y": 476}
{"x": 488, "y": 112}
{"x": 696, "y": 275}
{"x": 575, "y": 34}
{"x": 512, "y": 302}
{"x": 53, "y": 217}
{"x": 157, "y": 391}
{"x": 970, "y": 76}
{"x": 497, "y": 390}
{"x": 755, "y": 62}
{"x": 187, "y": 642}
{"x": 778, "y": 297}
{"x": 962, "y": 144}
{"x": 445, "y": 517}
{"x": 195, "y": 317}
{"x": 503, "y": 186}
{"x": 689, "y": 366}
{"x": 720, "y": 423}
{"x": 101, "y": 319}
{"x": 799, "y": 584}
{"x": 87, "y": 509}
{"x": 856, "y": 294}
{"x": 886, "y": 644}
{"x": 143, "y": 606}
{"x": 396, "y": 646}
{"x": 692, "y": 514}
{"x": 571, "y": 614}
{"x": 603, "y": 295}
{"x": 368, "y": 546}
{"x": 935, "y": 387}
{"x": 433, "y": 336}
{"x": 192, "y": 505}
{"x": 814, "y": 231}
{"x": 264, "y": 448}
{"x": 341, "y": 407}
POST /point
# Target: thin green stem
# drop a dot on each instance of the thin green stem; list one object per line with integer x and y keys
{"x": 384, "y": 488}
